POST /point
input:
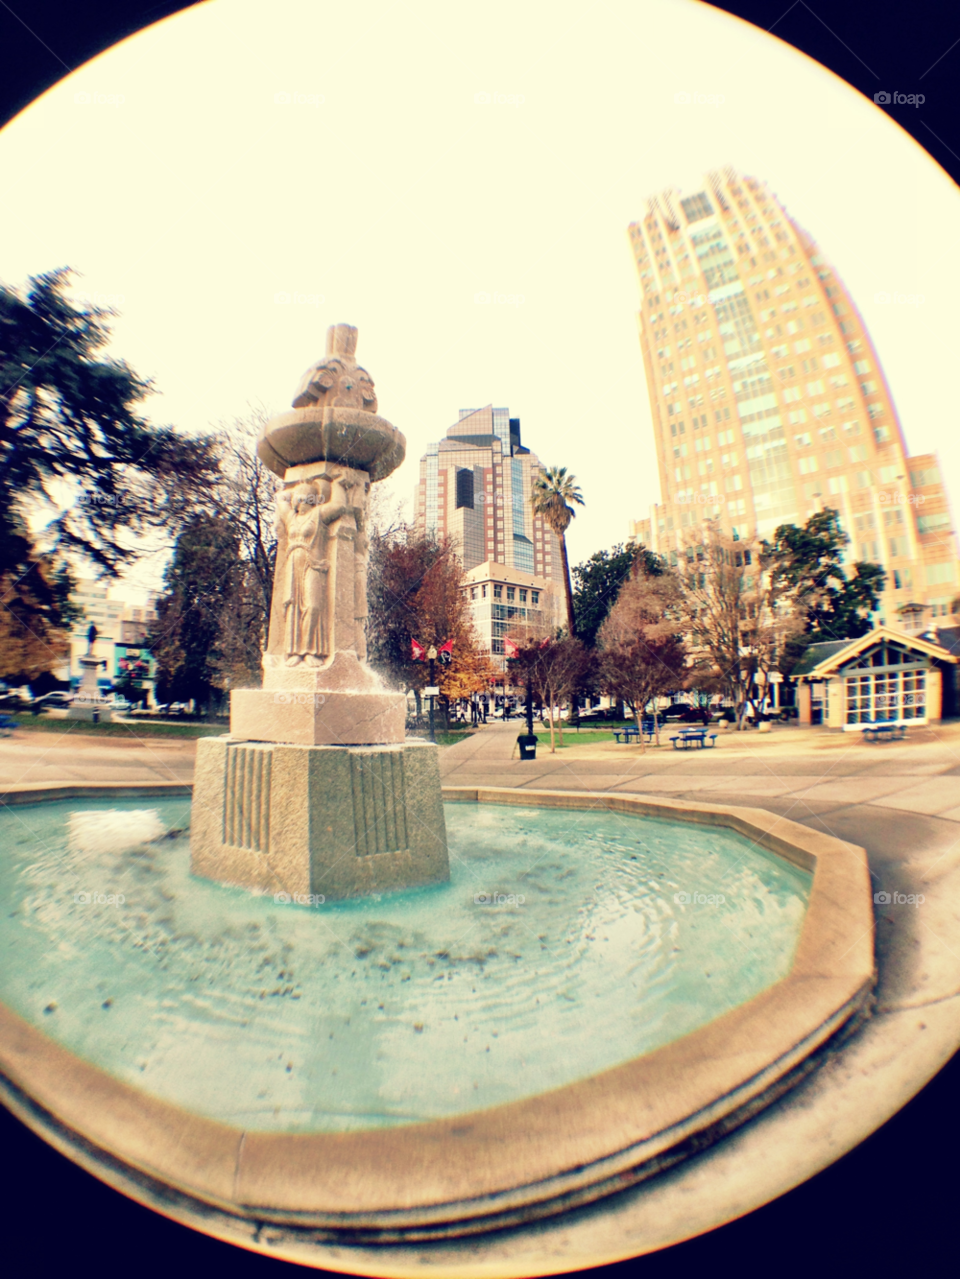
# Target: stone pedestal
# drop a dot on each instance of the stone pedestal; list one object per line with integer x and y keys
{"x": 324, "y": 820}
{"x": 343, "y": 704}
{"x": 89, "y": 703}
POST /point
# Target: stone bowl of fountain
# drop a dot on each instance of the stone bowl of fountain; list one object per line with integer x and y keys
{"x": 322, "y": 1008}
{"x": 334, "y": 416}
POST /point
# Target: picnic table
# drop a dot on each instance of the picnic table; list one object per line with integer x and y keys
{"x": 630, "y": 732}
{"x": 879, "y": 732}
{"x": 694, "y": 737}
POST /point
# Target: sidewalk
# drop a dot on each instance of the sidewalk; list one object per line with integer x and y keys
{"x": 41, "y": 758}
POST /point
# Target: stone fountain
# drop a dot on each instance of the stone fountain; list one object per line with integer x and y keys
{"x": 315, "y": 791}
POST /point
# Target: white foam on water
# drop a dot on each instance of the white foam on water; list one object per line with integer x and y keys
{"x": 113, "y": 831}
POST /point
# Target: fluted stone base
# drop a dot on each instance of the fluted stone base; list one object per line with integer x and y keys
{"x": 336, "y": 821}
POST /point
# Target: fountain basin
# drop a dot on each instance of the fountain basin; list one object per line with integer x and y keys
{"x": 476, "y": 1169}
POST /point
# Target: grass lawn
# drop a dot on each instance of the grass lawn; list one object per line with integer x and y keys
{"x": 586, "y": 737}
{"x": 127, "y": 729}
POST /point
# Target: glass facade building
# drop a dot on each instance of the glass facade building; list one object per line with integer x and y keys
{"x": 768, "y": 400}
{"x": 475, "y": 485}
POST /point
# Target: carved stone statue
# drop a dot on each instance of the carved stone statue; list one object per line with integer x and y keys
{"x": 326, "y": 453}
{"x": 303, "y": 516}
{"x": 337, "y": 381}
{"x": 320, "y": 588}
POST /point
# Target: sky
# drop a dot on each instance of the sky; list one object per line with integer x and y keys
{"x": 458, "y": 182}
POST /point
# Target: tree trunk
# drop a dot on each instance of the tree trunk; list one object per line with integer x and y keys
{"x": 638, "y": 717}
{"x": 571, "y": 628}
{"x": 553, "y": 748}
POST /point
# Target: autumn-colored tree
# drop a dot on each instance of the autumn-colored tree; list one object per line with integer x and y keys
{"x": 555, "y": 669}
{"x": 34, "y": 623}
{"x": 415, "y": 592}
{"x": 642, "y": 655}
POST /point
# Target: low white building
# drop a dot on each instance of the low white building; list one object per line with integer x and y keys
{"x": 506, "y": 601}
{"x": 884, "y": 677}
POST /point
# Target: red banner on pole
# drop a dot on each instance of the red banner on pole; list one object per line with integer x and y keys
{"x": 510, "y": 648}
{"x": 418, "y": 652}
{"x": 445, "y": 654}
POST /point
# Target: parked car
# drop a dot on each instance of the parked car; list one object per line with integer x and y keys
{"x": 686, "y": 714}
{"x": 57, "y": 699}
{"x": 13, "y": 702}
{"x": 118, "y": 703}
{"x": 173, "y": 708}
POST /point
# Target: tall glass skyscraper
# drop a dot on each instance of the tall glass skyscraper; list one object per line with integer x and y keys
{"x": 475, "y": 486}
{"x": 768, "y": 400}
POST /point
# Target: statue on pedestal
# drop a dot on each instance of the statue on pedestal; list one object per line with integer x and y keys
{"x": 327, "y": 453}
{"x": 317, "y": 789}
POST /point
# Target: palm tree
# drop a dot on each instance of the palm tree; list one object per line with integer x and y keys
{"x": 553, "y": 492}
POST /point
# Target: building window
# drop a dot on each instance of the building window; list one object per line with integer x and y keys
{"x": 936, "y": 523}
{"x": 939, "y": 573}
{"x": 534, "y": 597}
{"x": 886, "y": 697}
{"x": 498, "y": 592}
{"x": 511, "y": 594}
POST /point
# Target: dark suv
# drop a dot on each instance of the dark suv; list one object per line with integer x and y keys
{"x": 687, "y": 714}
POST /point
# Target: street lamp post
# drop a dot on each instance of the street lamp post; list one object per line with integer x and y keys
{"x": 432, "y": 659}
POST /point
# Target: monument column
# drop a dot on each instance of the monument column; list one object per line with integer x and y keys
{"x": 315, "y": 790}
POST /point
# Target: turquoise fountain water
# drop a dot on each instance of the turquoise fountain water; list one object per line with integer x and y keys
{"x": 565, "y": 942}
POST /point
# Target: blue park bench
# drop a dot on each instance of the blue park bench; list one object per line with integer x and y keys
{"x": 694, "y": 737}
{"x": 880, "y": 732}
{"x": 7, "y": 725}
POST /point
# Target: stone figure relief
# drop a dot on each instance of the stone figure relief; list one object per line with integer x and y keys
{"x": 321, "y": 568}
{"x": 337, "y": 381}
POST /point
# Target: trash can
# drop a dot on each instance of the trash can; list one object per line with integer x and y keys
{"x": 528, "y": 745}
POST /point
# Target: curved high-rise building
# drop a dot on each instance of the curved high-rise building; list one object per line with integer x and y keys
{"x": 475, "y": 486}
{"x": 768, "y": 400}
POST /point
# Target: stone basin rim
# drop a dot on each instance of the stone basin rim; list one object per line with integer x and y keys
{"x": 511, "y": 1163}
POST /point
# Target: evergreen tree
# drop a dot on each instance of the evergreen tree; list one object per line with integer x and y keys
{"x": 77, "y": 462}
{"x": 200, "y": 613}
{"x": 806, "y": 567}
{"x": 598, "y": 582}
